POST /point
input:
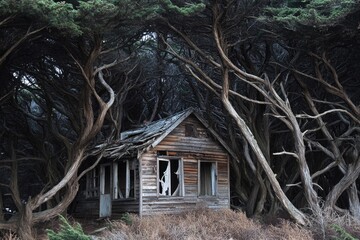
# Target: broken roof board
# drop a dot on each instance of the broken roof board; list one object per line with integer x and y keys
{"x": 139, "y": 140}
{"x": 159, "y": 128}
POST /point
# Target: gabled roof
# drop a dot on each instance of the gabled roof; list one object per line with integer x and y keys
{"x": 155, "y": 132}
{"x": 133, "y": 142}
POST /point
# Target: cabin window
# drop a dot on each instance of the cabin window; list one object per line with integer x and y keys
{"x": 191, "y": 131}
{"x": 170, "y": 177}
{"x": 207, "y": 178}
{"x": 92, "y": 183}
{"x": 124, "y": 179}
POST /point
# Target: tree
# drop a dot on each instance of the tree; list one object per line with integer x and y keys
{"x": 322, "y": 66}
{"x": 314, "y": 14}
{"x": 263, "y": 71}
{"x": 62, "y": 95}
{"x": 219, "y": 58}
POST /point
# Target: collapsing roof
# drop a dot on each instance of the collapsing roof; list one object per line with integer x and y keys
{"x": 137, "y": 141}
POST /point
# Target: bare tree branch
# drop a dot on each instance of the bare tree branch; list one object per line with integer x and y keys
{"x": 327, "y": 112}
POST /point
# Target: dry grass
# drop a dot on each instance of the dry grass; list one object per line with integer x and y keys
{"x": 331, "y": 220}
{"x": 8, "y": 235}
{"x": 208, "y": 224}
{"x": 202, "y": 224}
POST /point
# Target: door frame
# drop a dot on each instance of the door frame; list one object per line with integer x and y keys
{"x": 105, "y": 199}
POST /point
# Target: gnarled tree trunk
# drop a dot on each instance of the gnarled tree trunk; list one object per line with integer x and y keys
{"x": 25, "y": 223}
{"x": 351, "y": 175}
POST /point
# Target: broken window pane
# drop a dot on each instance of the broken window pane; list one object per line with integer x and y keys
{"x": 169, "y": 176}
{"x": 175, "y": 176}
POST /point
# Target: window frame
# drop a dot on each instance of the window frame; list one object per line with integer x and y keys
{"x": 214, "y": 178}
{"x": 92, "y": 189}
{"x": 127, "y": 181}
{"x": 102, "y": 181}
{"x": 181, "y": 176}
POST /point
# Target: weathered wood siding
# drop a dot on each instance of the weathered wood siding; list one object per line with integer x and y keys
{"x": 191, "y": 150}
{"x": 204, "y": 143}
{"x": 89, "y": 207}
{"x": 86, "y": 207}
{"x": 122, "y": 206}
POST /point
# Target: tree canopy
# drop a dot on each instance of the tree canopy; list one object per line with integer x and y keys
{"x": 276, "y": 79}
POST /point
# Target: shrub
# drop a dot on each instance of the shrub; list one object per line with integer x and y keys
{"x": 126, "y": 218}
{"x": 344, "y": 235}
{"x": 67, "y": 231}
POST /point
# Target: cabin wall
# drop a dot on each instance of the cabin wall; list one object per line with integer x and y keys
{"x": 85, "y": 207}
{"x": 89, "y": 207}
{"x": 177, "y": 141}
{"x": 191, "y": 150}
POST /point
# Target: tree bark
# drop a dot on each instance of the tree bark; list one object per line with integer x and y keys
{"x": 309, "y": 192}
{"x": 285, "y": 202}
{"x": 354, "y": 204}
{"x": 349, "y": 178}
{"x": 91, "y": 121}
{"x": 25, "y": 223}
{"x": 262, "y": 198}
{"x": 297, "y": 215}
{"x": 252, "y": 200}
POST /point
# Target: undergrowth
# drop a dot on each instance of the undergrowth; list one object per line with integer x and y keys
{"x": 202, "y": 224}
{"x": 67, "y": 231}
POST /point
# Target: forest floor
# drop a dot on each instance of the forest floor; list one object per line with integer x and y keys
{"x": 207, "y": 224}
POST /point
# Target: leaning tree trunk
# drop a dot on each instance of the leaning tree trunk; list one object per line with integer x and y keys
{"x": 285, "y": 202}
{"x": 257, "y": 198}
{"x": 297, "y": 215}
{"x": 354, "y": 205}
{"x": 309, "y": 192}
{"x": 349, "y": 178}
{"x": 298, "y": 135}
{"x": 27, "y": 218}
{"x": 226, "y": 64}
{"x": 262, "y": 198}
{"x": 255, "y": 206}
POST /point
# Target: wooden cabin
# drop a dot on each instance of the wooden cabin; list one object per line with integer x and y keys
{"x": 172, "y": 165}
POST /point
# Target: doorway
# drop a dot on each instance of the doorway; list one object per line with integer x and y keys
{"x": 105, "y": 190}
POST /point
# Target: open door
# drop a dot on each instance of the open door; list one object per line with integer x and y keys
{"x": 105, "y": 190}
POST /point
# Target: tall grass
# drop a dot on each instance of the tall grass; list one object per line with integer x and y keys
{"x": 208, "y": 224}
{"x": 203, "y": 224}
